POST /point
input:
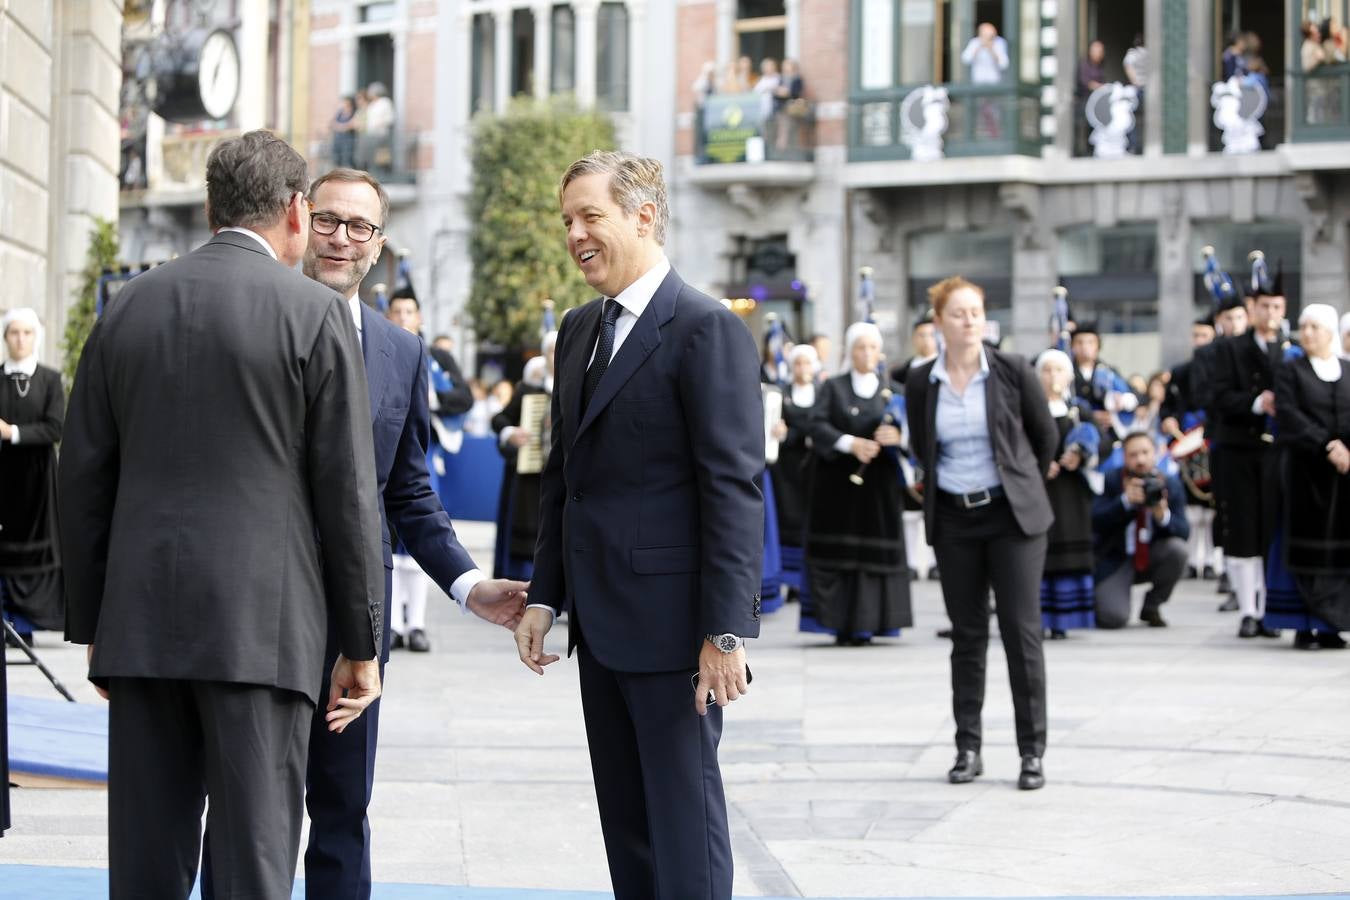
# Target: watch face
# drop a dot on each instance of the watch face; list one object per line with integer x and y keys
{"x": 727, "y": 643}
{"x": 218, "y": 74}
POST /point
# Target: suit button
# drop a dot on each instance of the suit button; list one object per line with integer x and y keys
{"x": 576, "y": 497}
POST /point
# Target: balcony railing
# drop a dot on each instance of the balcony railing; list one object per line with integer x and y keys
{"x": 738, "y": 128}
{"x": 1321, "y": 104}
{"x": 393, "y": 158}
{"x": 983, "y": 120}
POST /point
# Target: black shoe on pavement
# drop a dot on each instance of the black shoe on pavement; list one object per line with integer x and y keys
{"x": 1249, "y": 628}
{"x": 1153, "y": 617}
{"x": 913, "y": 574}
{"x": 1305, "y": 640}
{"x": 968, "y": 765}
{"x": 1191, "y": 572}
{"x": 1033, "y": 776}
{"x": 933, "y": 574}
{"x": 1224, "y": 586}
{"x": 396, "y": 641}
{"x": 1209, "y": 573}
{"x": 944, "y": 633}
{"x": 1330, "y": 640}
{"x": 1058, "y": 634}
{"x": 417, "y": 641}
{"x": 1229, "y": 605}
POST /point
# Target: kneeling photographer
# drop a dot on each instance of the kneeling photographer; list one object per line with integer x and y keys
{"x": 1136, "y": 537}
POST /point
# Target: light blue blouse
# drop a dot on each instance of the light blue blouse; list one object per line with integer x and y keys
{"x": 965, "y": 456}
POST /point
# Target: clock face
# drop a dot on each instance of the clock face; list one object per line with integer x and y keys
{"x": 218, "y": 74}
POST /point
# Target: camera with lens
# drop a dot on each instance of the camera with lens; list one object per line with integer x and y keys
{"x": 1155, "y": 488}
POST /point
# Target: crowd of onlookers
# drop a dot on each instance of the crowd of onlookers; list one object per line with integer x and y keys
{"x": 363, "y": 130}
{"x": 782, "y": 102}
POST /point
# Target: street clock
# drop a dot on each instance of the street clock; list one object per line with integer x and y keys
{"x": 195, "y": 77}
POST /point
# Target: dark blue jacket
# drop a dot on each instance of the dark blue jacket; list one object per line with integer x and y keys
{"x": 396, "y": 369}
{"x": 651, "y": 526}
{"x": 1111, "y": 518}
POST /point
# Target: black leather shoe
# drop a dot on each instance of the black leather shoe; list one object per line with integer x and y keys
{"x": 944, "y": 633}
{"x": 1154, "y": 618}
{"x": 1225, "y": 587}
{"x": 1191, "y": 572}
{"x": 1032, "y": 777}
{"x": 1330, "y": 640}
{"x": 1305, "y": 640}
{"x": 968, "y": 765}
{"x": 1229, "y": 605}
{"x": 1262, "y": 630}
{"x": 417, "y": 641}
{"x": 1209, "y": 573}
{"x": 1248, "y": 628}
{"x": 1058, "y": 634}
{"x": 933, "y": 574}
{"x": 396, "y": 641}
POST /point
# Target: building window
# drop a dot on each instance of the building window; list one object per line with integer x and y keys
{"x": 522, "y": 52}
{"x": 1112, "y": 276}
{"x": 611, "y": 71}
{"x": 379, "y": 11}
{"x": 564, "y": 46}
{"x": 985, "y": 257}
{"x": 483, "y": 80}
{"x": 761, "y": 30}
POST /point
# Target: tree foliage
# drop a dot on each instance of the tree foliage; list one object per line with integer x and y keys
{"x": 517, "y": 243}
{"x": 101, "y": 256}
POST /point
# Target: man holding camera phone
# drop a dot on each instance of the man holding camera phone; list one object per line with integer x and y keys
{"x": 1137, "y": 538}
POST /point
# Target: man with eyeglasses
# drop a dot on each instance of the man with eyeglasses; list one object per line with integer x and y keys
{"x": 348, "y": 213}
{"x": 219, "y": 424}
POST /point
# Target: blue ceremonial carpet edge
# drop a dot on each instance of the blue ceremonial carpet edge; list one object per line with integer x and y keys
{"x": 63, "y": 883}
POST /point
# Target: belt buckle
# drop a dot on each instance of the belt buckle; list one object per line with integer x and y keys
{"x": 985, "y": 501}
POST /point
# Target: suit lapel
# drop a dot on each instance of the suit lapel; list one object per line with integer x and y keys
{"x": 377, "y": 350}
{"x": 571, "y": 368}
{"x": 993, "y": 399}
{"x": 930, "y": 416}
{"x": 641, "y": 341}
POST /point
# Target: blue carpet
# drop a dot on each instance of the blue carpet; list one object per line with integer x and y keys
{"x": 53, "y": 737}
{"x": 56, "y": 883}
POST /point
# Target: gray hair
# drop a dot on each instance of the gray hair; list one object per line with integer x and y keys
{"x": 633, "y": 181}
{"x": 251, "y": 179}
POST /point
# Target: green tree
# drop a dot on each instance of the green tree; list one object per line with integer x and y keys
{"x": 101, "y": 256}
{"x": 517, "y": 244}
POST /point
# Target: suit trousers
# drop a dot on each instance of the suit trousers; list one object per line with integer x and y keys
{"x": 657, "y": 783}
{"x": 978, "y": 549}
{"x": 172, "y": 744}
{"x": 1166, "y": 565}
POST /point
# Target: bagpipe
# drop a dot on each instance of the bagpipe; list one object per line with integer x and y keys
{"x": 895, "y": 414}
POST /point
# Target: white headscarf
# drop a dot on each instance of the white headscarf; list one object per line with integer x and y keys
{"x": 28, "y": 316}
{"x": 1345, "y": 324}
{"x": 858, "y": 330}
{"x": 1060, "y": 360}
{"x": 536, "y": 370}
{"x": 1323, "y": 315}
{"x": 806, "y": 350}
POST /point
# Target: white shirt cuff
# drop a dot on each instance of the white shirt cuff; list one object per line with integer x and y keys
{"x": 505, "y": 436}
{"x": 550, "y": 609}
{"x": 14, "y": 434}
{"x": 1166, "y": 517}
{"x": 1257, "y": 408}
{"x": 464, "y": 585}
{"x": 844, "y": 444}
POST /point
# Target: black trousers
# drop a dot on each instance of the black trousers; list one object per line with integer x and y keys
{"x": 978, "y": 549}
{"x": 171, "y": 745}
{"x": 654, "y": 759}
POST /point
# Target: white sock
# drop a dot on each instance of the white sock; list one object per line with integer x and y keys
{"x": 416, "y": 600}
{"x": 1195, "y": 544}
{"x": 1242, "y": 576}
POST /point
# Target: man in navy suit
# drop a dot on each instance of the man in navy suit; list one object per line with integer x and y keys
{"x": 651, "y": 531}
{"x": 1138, "y": 537}
{"x": 348, "y": 212}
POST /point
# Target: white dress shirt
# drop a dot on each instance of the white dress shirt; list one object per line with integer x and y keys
{"x": 464, "y": 584}
{"x": 253, "y": 234}
{"x": 22, "y": 367}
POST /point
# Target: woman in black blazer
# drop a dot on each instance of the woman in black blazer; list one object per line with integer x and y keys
{"x": 985, "y": 438}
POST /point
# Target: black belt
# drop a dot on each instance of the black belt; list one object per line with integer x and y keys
{"x": 973, "y": 500}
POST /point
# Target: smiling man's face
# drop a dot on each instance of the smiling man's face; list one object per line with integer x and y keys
{"x": 335, "y": 260}
{"x": 605, "y": 242}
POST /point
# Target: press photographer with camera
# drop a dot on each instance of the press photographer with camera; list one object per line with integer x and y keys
{"x": 1136, "y": 536}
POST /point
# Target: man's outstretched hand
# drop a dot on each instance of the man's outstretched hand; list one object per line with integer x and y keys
{"x": 355, "y": 685}
{"x": 499, "y": 601}
{"x": 530, "y": 639}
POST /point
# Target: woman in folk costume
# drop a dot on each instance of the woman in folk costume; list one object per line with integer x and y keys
{"x": 1067, "y": 594}
{"x": 1312, "y": 410}
{"x": 518, "y": 502}
{"x": 791, "y": 474}
{"x": 857, "y": 577}
{"x": 32, "y": 413}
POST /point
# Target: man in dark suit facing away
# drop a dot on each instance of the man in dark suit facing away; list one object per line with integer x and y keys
{"x": 217, "y": 499}
{"x": 651, "y": 531}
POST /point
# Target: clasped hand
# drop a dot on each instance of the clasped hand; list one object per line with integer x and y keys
{"x": 1339, "y": 456}
{"x": 500, "y": 601}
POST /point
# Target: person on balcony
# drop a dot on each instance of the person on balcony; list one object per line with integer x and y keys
{"x": 344, "y": 134}
{"x": 987, "y": 56}
{"x": 765, "y": 88}
{"x": 790, "y": 108}
{"x": 1136, "y": 72}
{"x": 1091, "y": 75}
{"x": 377, "y": 136}
{"x": 1235, "y": 56}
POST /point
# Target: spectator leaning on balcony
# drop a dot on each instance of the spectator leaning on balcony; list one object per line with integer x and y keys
{"x": 344, "y": 133}
{"x": 705, "y": 85}
{"x": 1136, "y": 72}
{"x": 1235, "y": 56}
{"x": 987, "y": 55}
{"x": 766, "y": 87}
{"x": 741, "y": 78}
{"x": 377, "y": 150}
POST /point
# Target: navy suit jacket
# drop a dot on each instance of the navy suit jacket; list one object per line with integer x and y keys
{"x": 651, "y": 525}
{"x": 1110, "y": 521}
{"x": 396, "y": 369}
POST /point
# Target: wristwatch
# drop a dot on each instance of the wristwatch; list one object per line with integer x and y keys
{"x": 727, "y": 643}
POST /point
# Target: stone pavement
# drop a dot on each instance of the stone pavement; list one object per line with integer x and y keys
{"x": 1182, "y": 761}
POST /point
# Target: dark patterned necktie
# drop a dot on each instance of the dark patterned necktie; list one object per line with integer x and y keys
{"x": 604, "y": 349}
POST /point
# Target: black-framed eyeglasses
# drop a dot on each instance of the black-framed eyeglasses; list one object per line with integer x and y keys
{"x": 358, "y": 230}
